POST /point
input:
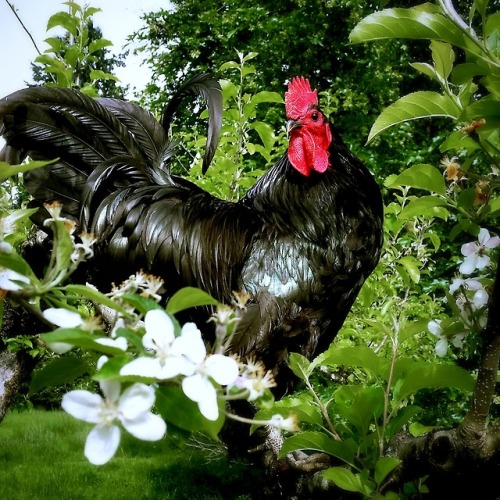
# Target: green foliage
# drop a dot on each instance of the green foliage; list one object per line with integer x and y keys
{"x": 79, "y": 58}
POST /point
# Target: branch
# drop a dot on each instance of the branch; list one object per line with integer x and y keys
{"x": 12, "y": 8}
{"x": 474, "y": 423}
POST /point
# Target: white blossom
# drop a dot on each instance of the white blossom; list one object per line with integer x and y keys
{"x": 130, "y": 408}
{"x": 475, "y": 252}
{"x": 441, "y": 348}
{"x": 11, "y": 280}
{"x": 286, "y": 424}
{"x": 168, "y": 360}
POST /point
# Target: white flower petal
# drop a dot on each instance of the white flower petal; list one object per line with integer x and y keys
{"x": 480, "y": 298}
{"x": 83, "y": 405}
{"x": 111, "y": 389}
{"x": 482, "y": 261}
{"x": 143, "y": 367}
{"x": 101, "y": 444}
{"x": 136, "y": 399}
{"x": 63, "y": 317}
{"x": 119, "y": 342}
{"x": 492, "y": 242}
{"x": 190, "y": 344}
{"x": 469, "y": 248}
{"x": 458, "y": 339}
{"x": 441, "y": 347}
{"x": 196, "y": 387}
{"x": 469, "y": 264}
{"x": 159, "y": 330}
{"x": 222, "y": 369}
{"x": 146, "y": 426}
{"x": 208, "y": 407}
{"x": 59, "y": 347}
{"x": 176, "y": 365}
{"x": 8, "y": 280}
{"x": 435, "y": 327}
{"x": 484, "y": 236}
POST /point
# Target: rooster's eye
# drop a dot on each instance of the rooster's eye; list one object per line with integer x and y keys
{"x": 315, "y": 116}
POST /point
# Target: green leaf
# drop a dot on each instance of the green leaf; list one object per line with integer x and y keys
{"x": 317, "y": 441}
{"x": 360, "y": 406}
{"x": 57, "y": 372}
{"x": 412, "y": 266}
{"x": 359, "y": 356}
{"x": 90, "y": 293}
{"x": 383, "y": 467}
{"x": 64, "y": 20}
{"x": 422, "y": 104}
{"x": 266, "y": 96}
{"x": 424, "y": 22}
{"x": 97, "y": 74}
{"x": 142, "y": 304}
{"x": 189, "y": 297}
{"x": 432, "y": 375}
{"x": 176, "y": 408}
{"x": 300, "y": 365}
{"x": 421, "y": 176}
{"x": 100, "y": 44}
{"x": 349, "y": 481}
{"x": 487, "y": 108}
{"x": 417, "y": 429}
{"x": 425, "y": 206}
{"x": 7, "y": 170}
{"x": 443, "y": 57}
{"x": 266, "y": 133}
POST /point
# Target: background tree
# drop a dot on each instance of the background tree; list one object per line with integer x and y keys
{"x": 293, "y": 38}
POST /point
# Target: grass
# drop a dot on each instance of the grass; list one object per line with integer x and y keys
{"x": 41, "y": 456}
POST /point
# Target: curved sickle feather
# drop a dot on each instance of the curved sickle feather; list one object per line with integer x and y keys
{"x": 208, "y": 87}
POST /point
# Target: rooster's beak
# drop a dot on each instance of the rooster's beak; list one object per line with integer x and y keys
{"x": 291, "y": 124}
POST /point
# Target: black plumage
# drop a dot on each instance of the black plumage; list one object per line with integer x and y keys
{"x": 301, "y": 246}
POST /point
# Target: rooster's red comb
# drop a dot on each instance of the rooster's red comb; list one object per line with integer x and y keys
{"x": 299, "y": 98}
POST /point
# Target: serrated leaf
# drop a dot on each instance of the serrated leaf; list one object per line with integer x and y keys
{"x": 412, "y": 266}
{"x": 443, "y": 57}
{"x": 300, "y": 365}
{"x": 64, "y": 20}
{"x": 266, "y": 133}
{"x": 422, "y": 104}
{"x": 424, "y": 22}
{"x": 421, "y": 176}
{"x": 359, "y": 356}
{"x": 100, "y": 44}
{"x": 57, "y": 372}
{"x": 349, "y": 481}
{"x": 426, "y": 69}
{"x": 432, "y": 375}
{"x": 189, "y": 297}
{"x": 425, "y": 206}
{"x": 176, "y": 408}
{"x": 385, "y": 466}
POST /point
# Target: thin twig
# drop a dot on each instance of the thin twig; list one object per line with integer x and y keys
{"x": 23, "y": 26}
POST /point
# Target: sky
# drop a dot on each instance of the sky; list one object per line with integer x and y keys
{"x": 118, "y": 19}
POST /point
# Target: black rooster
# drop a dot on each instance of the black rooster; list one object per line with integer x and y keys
{"x": 301, "y": 242}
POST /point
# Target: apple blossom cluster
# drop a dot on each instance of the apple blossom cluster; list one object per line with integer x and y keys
{"x": 168, "y": 357}
{"x": 469, "y": 293}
